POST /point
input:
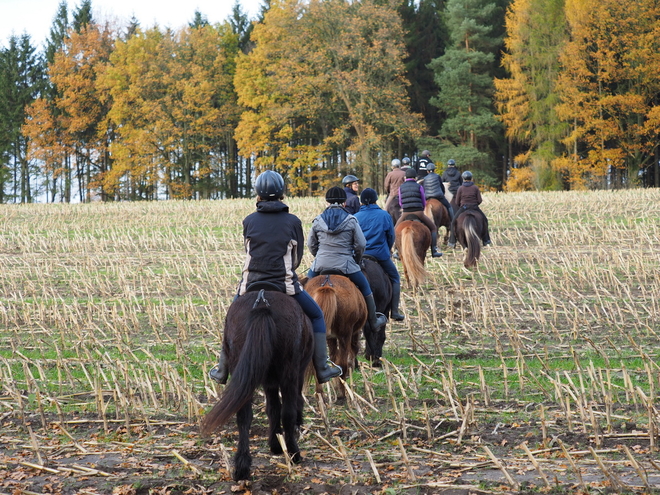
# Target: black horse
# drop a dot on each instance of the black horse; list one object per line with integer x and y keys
{"x": 469, "y": 231}
{"x": 382, "y": 288}
{"x": 268, "y": 341}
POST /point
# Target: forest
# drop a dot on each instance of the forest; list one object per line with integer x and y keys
{"x": 527, "y": 94}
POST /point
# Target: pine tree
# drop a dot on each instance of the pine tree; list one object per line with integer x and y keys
{"x": 464, "y": 75}
{"x": 241, "y": 26}
{"x": 82, "y": 17}
{"x": 199, "y": 20}
{"x": 22, "y": 79}
{"x": 425, "y": 38}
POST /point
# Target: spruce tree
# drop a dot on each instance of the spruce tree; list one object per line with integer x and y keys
{"x": 82, "y": 17}
{"x": 464, "y": 75}
{"x": 22, "y": 79}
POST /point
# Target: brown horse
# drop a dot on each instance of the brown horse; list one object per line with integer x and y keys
{"x": 412, "y": 241}
{"x": 268, "y": 341}
{"x": 345, "y": 313}
{"x": 394, "y": 209}
{"x": 437, "y": 212}
{"x": 469, "y": 230}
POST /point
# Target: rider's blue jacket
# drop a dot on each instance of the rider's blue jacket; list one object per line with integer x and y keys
{"x": 378, "y": 230}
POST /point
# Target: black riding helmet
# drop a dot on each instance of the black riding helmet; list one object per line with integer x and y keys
{"x": 411, "y": 173}
{"x": 369, "y": 196}
{"x": 467, "y": 175}
{"x": 335, "y": 195}
{"x": 269, "y": 185}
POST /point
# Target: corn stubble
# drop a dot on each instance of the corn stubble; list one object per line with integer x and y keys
{"x": 116, "y": 311}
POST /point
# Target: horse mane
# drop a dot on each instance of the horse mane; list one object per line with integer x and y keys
{"x": 326, "y": 298}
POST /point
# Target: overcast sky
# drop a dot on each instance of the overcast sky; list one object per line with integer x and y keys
{"x": 36, "y": 16}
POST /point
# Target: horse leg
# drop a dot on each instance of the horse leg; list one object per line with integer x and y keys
{"x": 274, "y": 413}
{"x": 380, "y": 342}
{"x": 291, "y": 412}
{"x": 355, "y": 345}
{"x": 243, "y": 459}
{"x": 369, "y": 342}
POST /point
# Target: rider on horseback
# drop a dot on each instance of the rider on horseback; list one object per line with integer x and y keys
{"x": 413, "y": 201}
{"x": 453, "y": 176}
{"x": 351, "y": 187}
{"x": 274, "y": 246}
{"x": 378, "y": 230}
{"x": 337, "y": 242}
{"x": 434, "y": 188}
{"x": 393, "y": 180}
{"x": 468, "y": 197}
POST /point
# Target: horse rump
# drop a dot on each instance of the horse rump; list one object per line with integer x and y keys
{"x": 412, "y": 241}
{"x": 345, "y": 313}
{"x": 469, "y": 228}
{"x": 268, "y": 341}
{"x": 381, "y": 287}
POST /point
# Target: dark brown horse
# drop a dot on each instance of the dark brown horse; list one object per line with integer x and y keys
{"x": 345, "y": 313}
{"x": 469, "y": 230}
{"x": 437, "y": 212}
{"x": 374, "y": 339}
{"x": 394, "y": 209}
{"x": 268, "y": 341}
{"x": 412, "y": 241}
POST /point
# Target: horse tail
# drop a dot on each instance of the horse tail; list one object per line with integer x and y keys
{"x": 414, "y": 266}
{"x": 253, "y": 363}
{"x": 326, "y": 298}
{"x": 472, "y": 239}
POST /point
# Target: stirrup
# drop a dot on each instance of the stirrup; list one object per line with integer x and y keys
{"x": 330, "y": 371}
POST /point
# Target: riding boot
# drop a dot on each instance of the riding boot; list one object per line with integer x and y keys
{"x": 326, "y": 370}
{"x": 452, "y": 234}
{"x": 219, "y": 372}
{"x": 434, "y": 245}
{"x": 376, "y": 320}
{"x": 396, "y": 296}
{"x": 451, "y": 213}
{"x": 486, "y": 238}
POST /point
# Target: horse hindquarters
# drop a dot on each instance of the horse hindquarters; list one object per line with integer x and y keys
{"x": 472, "y": 240}
{"x": 412, "y": 240}
{"x": 381, "y": 287}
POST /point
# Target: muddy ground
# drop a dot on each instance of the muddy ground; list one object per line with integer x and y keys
{"x": 169, "y": 457}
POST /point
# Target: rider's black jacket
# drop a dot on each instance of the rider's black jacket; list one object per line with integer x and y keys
{"x": 274, "y": 246}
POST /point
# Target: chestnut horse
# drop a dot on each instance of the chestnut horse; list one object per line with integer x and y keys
{"x": 437, "y": 212}
{"x": 268, "y": 341}
{"x": 345, "y": 313}
{"x": 412, "y": 240}
{"x": 374, "y": 338}
{"x": 469, "y": 230}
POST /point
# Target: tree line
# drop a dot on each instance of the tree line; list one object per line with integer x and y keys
{"x": 528, "y": 94}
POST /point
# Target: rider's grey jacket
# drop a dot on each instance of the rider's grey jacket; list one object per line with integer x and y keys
{"x": 337, "y": 241}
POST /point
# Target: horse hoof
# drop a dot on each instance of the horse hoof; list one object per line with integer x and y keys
{"x": 451, "y": 244}
{"x": 376, "y": 363}
{"x": 397, "y": 317}
{"x": 296, "y": 458}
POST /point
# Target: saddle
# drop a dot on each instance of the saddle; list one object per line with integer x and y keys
{"x": 410, "y": 218}
{"x": 332, "y": 271}
{"x": 262, "y": 285}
